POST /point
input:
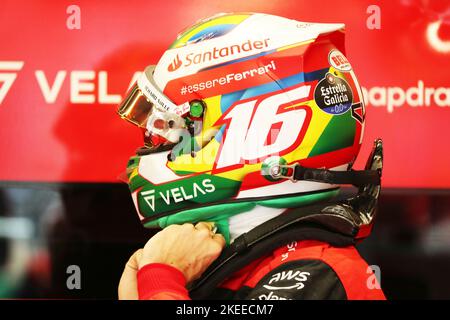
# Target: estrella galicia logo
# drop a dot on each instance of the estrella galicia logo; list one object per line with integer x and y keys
{"x": 333, "y": 95}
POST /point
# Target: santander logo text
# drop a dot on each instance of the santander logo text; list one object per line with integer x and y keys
{"x": 207, "y": 55}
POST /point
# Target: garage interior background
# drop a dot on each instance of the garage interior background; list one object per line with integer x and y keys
{"x": 61, "y": 152}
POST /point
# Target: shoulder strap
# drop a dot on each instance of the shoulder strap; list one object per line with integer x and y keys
{"x": 308, "y": 223}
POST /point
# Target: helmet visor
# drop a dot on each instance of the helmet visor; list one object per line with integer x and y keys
{"x": 135, "y": 108}
{"x": 148, "y": 108}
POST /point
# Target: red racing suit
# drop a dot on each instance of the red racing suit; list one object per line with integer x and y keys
{"x": 306, "y": 269}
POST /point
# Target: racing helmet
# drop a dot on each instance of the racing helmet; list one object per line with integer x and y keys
{"x": 236, "y": 105}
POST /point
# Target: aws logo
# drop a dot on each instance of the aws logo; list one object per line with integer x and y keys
{"x": 8, "y": 74}
{"x": 288, "y": 280}
{"x": 178, "y": 194}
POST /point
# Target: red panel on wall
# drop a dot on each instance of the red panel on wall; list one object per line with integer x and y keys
{"x": 58, "y": 121}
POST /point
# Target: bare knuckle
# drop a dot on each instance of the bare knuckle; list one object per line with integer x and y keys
{"x": 216, "y": 247}
{"x": 172, "y": 227}
{"x": 187, "y": 226}
{"x": 203, "y": 233}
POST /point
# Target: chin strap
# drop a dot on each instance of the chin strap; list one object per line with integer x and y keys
{"x": 356, "y": 178}
{"x": 296, "y": 172}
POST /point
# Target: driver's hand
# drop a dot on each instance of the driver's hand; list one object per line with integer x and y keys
{"x": 191, "y": 249}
